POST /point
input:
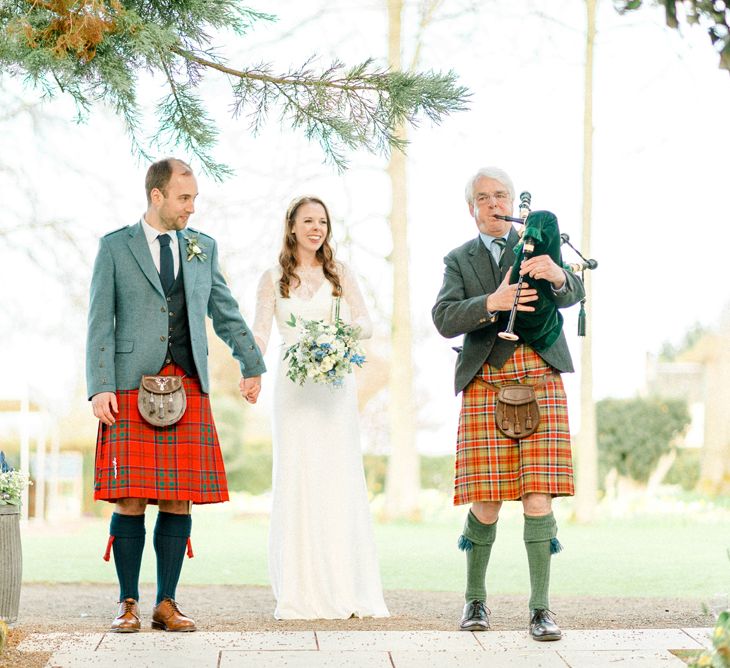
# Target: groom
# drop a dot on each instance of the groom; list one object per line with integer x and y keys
{"x": 153, "y": 285}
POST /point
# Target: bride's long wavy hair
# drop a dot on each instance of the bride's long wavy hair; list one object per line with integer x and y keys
{"x": 288, "y": 254}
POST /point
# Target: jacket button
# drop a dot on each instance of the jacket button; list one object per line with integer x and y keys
{"x": 102, "y": 349}
{"x": 162, "y": 338}
{"x": 163, "y": 309}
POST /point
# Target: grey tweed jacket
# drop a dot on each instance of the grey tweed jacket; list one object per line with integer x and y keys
{"x": 128, "y": 321}
{"x": 470, "y": 275}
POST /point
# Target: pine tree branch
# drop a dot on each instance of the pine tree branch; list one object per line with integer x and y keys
{"x": 93, "y": 50}
{"x": 267, "y": 78}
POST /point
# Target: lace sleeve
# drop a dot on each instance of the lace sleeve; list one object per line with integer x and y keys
{"x": 265, "y": 305}
{"x": 352, "y": 295}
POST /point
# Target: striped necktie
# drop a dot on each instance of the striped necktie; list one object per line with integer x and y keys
{"x": 497, "y": 249}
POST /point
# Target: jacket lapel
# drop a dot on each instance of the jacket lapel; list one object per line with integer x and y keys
{"x": 483, "y": 263}
{"x": 189, "y": 268}
{"x": 141, "y": 252}
{"x": 508, "y": 258}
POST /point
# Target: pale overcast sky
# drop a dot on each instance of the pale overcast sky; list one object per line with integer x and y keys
{"x": 660, "y": 194}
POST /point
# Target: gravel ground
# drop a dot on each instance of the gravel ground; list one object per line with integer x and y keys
{"x": 89, "y": 608}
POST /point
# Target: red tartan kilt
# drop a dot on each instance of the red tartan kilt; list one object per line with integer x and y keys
{"x": 493, "y": 467}
{"x": 181, "y": 463}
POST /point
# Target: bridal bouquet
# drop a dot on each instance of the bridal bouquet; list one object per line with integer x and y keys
{"x": 325, "y": 352}
{"x": 12, "y": 483}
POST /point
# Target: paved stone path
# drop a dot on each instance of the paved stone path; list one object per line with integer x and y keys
{"x": 641, "y": 648}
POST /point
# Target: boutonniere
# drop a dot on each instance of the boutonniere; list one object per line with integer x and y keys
{"x": 195, "y": 248}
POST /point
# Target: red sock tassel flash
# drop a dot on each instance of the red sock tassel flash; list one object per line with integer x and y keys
{"x": 108, "y": 552}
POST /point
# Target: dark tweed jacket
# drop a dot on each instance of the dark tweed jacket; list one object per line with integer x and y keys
{"x": 471, "y": 274}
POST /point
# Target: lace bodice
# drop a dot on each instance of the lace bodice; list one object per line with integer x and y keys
{"x": 312, "y": 300}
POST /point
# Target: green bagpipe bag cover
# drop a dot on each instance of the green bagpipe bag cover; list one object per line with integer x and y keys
{"x": 539, "y": 328}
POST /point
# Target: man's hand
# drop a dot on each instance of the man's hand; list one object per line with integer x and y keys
{"x": 105, "y": 405}
{"x": 503, "y": 297}
{"x": 250, "y": 388}
{"x": 542, "y": 266}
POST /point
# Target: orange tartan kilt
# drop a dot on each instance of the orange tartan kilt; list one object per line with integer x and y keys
{"x": 493, "y": 467}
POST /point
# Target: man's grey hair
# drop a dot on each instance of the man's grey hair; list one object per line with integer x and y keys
{"x": 490, "y": 173}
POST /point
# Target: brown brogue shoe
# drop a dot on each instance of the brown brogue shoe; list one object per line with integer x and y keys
{"x": 127, "y": 621}
{"x": 167, "y": 617}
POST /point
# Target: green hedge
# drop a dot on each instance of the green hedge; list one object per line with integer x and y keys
{"x": 250, "y": 470}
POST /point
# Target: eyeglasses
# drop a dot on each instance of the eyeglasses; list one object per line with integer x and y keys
{"x": 499, "y": 196}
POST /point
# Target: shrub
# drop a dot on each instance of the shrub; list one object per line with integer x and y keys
{"x": 686, "y": 469}
{"x": 634, "y": 433}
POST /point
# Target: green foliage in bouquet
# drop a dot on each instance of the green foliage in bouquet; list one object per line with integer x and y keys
{"x": 325, "y": 352}
{"x": 719, "y": 655}
{"x": 12, "y": 483}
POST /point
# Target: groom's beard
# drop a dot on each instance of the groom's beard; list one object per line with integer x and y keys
{"x": 175, "y": 223}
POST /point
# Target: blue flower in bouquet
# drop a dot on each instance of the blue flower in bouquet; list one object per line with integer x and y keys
{"x": 357, "y": 359}
{"x": 325, "y": 352}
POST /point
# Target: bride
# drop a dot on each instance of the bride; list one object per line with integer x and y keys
{"x": 322, "y": 559}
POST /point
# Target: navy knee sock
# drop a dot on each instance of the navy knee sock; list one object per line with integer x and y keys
{"x": 170, "y": 540}
{"x": 128, "y": 545}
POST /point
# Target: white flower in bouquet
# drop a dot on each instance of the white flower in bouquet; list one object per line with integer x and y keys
{"x": 325, "y": 339}
{"x": 12, "y": 484}
{"x": 325, "y": 352}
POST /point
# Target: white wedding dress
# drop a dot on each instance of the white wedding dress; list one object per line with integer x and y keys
{"x": 322, "y": 558}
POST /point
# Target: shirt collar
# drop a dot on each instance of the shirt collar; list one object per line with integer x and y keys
{"x": 151, "y": 233}
{"x": 488, "y": 239}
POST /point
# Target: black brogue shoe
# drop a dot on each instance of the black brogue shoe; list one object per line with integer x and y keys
{"x": 543, "y": 626}
{"x": 475, "y": 617}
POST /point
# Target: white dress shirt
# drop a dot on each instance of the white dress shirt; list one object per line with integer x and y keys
{"x": 151, "y": 233}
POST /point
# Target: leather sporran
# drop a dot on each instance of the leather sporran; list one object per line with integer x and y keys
{"x": 517, "y": 414}
{"x": 161, "y": 400}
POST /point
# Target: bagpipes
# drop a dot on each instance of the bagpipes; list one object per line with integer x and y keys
{"x": 541, "y": 236}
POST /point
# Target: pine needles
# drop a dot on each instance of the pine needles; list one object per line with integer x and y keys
{"x": 94, "y": 51}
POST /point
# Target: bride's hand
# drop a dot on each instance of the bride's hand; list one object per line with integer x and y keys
{"x": 250, "y": 388}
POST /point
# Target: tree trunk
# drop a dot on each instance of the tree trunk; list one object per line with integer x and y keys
{"x": 403, "y": 478}
{"x": 587, "y": 449}
{"x": 665, "y": 463}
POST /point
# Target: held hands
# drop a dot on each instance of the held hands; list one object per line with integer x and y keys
{"x": 250, "y": 388}
{"x": 104, "y": 405}
{"x": 503, "y": 298}
{"x": 543, "y": 267}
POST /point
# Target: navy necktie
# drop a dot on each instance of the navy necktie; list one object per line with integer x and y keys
{"x": 167, "y": 268}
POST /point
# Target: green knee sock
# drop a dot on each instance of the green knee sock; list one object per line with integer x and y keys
{"x": 170, "y": 540}
{"x": 541, "y": 544}
{"x": 476, "y": 540}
